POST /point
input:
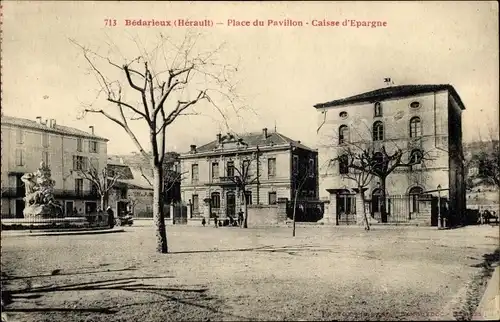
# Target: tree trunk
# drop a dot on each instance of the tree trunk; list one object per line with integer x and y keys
{"x": 294, "y": 211}
{"x": 245, "y": 220}
{"x": 367, "y": 223}
{"x": 158, "y": 216}
{"x": 103, "y": 205}
{"x": 383, "y": 198}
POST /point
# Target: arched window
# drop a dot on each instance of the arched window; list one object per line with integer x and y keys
{"x": 416, "y": 156}
{"x": 215, "y": 200}
{"x": 343, "y": 134}
{"x": 378, "y": 161}
{"x": 378, "y": 131}
{"x": 414, "y": 194}
{"x": 343, "y": 164}
{"x": 378, "y": 109}
{"x": 415, "y": 127}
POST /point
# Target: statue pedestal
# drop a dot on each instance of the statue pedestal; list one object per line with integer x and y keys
{"x": 42, "y": 211}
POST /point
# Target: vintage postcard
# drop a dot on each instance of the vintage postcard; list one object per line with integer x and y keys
{"x": 243, "y": 161}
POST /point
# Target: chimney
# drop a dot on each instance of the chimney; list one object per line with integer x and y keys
{"x": 264, "y": 132}
{"x": 39, "y": 119}
{"x": 91, "y": 129}
{"x": 193, "y": 148}
{"x": 219, "y": 138}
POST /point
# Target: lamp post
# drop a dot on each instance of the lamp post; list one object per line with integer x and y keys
{"x": 440, "y": 224}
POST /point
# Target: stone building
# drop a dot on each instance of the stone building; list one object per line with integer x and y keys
{"x": 272, "y": 160}
{"x": 132, "y": 191}
{"x": 413, "y": 118}
{"x": 25, "y": 143}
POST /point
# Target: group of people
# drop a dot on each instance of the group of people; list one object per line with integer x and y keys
{"x": 227, "y": 222}
{"x": 486, "y": 216}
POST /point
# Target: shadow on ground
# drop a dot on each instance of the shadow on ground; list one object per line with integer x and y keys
{"x": 194, "y": 297}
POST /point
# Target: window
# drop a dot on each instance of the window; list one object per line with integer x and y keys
{"x": 272, "y": 198}
{"x": 271, "y": 167}
{"x": 414, "y": 195}
{"x": 343, "y": 164}
{"x": 215, "y": 170}
{"x": 378, "y": 109}
{"x": 93, "y": 146}
{"x": 343, "y": 134}
{"x": 415, "y": 105}
{"x": 45, "y": 139}
{"x": 45, "y": 157}
{"x": 246, "y": 168}
{"x": 230, "y": 168}
{"x": 196, "y": 206}
{"x": 378, "y": 161}
{"x": 93, "y": 189}
{"x": 94, "y": 163}
{"x": 19, "y": 157}
{"x": 215, "y": 200}
{"x": 79, "y": 144}
{"x": 378, "y": 131}
{"x": 415, "y": 127}
{"x": 295, "y": 165}
{"x": 248, "y": 197}
{"x": 311, "y": 169}
{"x": 343, "y": 115}
{"x": 79, "y": 187}
{"x": 194, "y": 173}
{"x": 19, "y": 136}
{"x": 416, "y": 156}
{"x": 123, "y": 193}
{"x": 79, "y": 162}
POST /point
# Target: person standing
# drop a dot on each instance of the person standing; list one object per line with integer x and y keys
{"x": 216, "y": 222}
{"x": 111, "y": 217}
{"x": 240, "y": 218}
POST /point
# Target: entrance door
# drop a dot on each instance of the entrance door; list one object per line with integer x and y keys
{"x": 377, "y": 205}
{"x": 69, "y": 208}
{"x": 19, "y": 208}
{"x": 231, "y": 204}
{"x": 90, "y": 207}
{"x": 121, "y": 208}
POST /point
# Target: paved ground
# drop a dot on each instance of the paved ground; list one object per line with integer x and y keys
{"x": 325, "y": 273}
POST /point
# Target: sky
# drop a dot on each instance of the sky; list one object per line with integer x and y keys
{"x": 281, "y": 71}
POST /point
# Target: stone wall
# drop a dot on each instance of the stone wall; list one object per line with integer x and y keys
{"x": 266, "y": 215}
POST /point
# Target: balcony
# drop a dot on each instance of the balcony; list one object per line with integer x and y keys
{"x": 19, "y": 192}
{"x": 221, "y": 181}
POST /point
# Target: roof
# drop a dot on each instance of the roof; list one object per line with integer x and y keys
{"x": 392, "y": 92}
{"x": 59, "y": 129}
{"x": 253, "y": 140}
{"x": 135, "y": 178}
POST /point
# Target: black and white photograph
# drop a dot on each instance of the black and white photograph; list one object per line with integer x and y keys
{"x": 249, "y": 161}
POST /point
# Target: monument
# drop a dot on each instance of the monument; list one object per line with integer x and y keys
{"x": 39, "y": 200}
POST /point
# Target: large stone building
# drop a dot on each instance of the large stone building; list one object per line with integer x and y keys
{"x": 413, "y": 118}
{"x": 26, "y": 143}
{"x": 272, "y": 160}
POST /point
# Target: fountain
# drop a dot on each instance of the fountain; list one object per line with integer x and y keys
{"x": 39, "y": 200}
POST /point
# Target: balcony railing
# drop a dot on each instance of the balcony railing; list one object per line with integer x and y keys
{"x": 221, "y": 181}
{"x": 19, "y": 192}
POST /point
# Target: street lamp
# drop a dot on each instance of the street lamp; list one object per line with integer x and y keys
{"x": 440, "y": 224}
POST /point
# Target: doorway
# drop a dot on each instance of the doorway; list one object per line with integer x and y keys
{"x": 230, "y": 204}
{"x": 377, "y": 206}
{"x": 19, "y": 208}
{"x": 68, "y": 210}
{"x": 121, "y": 208}
{"x": 90, "y": 207}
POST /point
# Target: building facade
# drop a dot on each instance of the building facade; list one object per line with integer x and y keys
{"x": 269, "y": 164}
{"x": 26, "y": 143}
{"x": 417, "y": 119}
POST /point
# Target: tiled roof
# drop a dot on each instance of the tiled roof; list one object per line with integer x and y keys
{"x": 392, "y": 92}
{"x": 59, "y": 129}
{"x": 256, "y": 139}
{"x": 132, "y": 176}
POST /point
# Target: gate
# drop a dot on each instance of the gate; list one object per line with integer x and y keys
{"x": 346, "y": 209}
{"x": 180, "y": 214}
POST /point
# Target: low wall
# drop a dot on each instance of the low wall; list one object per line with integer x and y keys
{"x": 263, "y": 215}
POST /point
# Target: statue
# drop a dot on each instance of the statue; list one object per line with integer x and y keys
{"x": 39, "y": 200}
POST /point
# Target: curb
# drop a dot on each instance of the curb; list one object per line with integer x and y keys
{"x": 489, "y": 306}
{"x": 63, "y": 233}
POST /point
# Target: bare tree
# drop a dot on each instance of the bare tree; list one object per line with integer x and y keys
{"x": 133, "y": 201}
{"x": 302, "y": 174}
{"x": 162, "y": 94}
{"x": 244, "y": 178}
{"x": 103, "y": 180}
{"x": 351, "y": 163}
